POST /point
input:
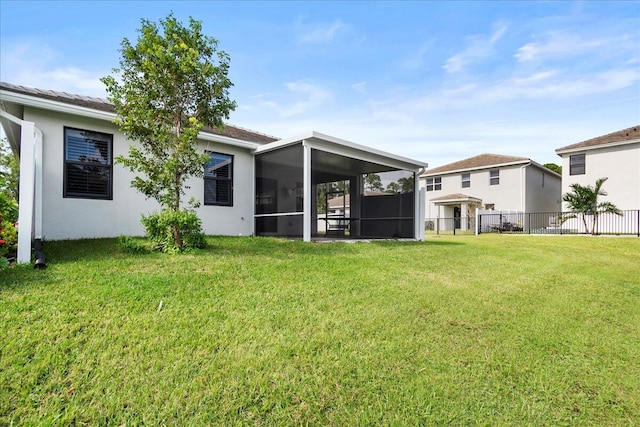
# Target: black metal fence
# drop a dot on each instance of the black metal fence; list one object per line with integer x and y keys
{"x": 561, "y": 223}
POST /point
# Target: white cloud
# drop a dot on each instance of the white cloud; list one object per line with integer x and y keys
{"x": 500, "y": 30}
{"x": 479, "y": 48}
{"x": 558, "y": 44}
{"x": 319, "y": 33}
{"x": 35, "y": 65}
{"x": 360, "y": 87}
{"x": 298, "y": 98}
{"x": 312, "y": 96}
{"x": 417, "y": 60}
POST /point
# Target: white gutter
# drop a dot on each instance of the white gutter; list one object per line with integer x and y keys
{"x": 523, "y": 185}
{"x": 345, "y": 148}
{"x": 47, "y": 104}
{"x": 561, "y": 151}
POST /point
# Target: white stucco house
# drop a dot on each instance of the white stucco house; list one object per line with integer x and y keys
{"x": 254, "y": 184}
{"x": 615, "y": 156}
{"x": 488, "y": 182}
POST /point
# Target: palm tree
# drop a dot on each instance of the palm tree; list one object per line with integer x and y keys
{"x": 583, "y": 199}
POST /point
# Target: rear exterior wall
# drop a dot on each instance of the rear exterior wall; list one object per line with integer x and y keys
{"x": 75, "y": 218}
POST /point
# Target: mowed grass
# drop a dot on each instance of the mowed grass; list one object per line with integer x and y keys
{"x": 487, "y": 330}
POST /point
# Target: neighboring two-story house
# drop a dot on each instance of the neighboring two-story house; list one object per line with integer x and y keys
{"x": 489, "y": 182}
{"x": 615, "y": 156}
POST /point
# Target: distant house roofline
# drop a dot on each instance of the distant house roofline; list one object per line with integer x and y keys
{"x": 482, "y": 161}
{"x": 622, "y": 137}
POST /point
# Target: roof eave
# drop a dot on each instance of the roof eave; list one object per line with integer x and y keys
{"x": 47, "y": 104}
{"x": 493, "y": 166}
{"x": 310, "y": 136}
{"x": 569, "y": 150}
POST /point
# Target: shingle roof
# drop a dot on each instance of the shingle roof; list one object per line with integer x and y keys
{"x": 619, "y": 136}
{"x": 100, "y": 104}
{"x": 480, "y": 161}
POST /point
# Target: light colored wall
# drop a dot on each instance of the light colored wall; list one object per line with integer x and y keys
{"x": 73, "y": 218}
{"x": 620, "y": 164}
{"x": 543, "y": 190}
{"x": 505, "y": 196}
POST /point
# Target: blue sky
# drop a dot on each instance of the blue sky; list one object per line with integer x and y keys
{"x": 434, "y": 81}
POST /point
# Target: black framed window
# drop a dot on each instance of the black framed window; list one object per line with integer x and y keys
{"x": 466, "y": 180}
{"x": 577, "y": 164}
{"x": 494, "y": 177}
{"x": 88, "y": 164}
{"x": 434, "y": 184}
{"x": 218, "y": 180}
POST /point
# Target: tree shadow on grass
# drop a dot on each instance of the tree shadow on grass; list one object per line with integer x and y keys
{"x": 426, "y": 243}
{"x": 111, "y": 252}
{"x": 109, "y": 249}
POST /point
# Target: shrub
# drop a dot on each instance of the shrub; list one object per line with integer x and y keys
{"x": 8, "y": 229}
{"x": 132, "y": 246}
{"x": 159, "y": 228}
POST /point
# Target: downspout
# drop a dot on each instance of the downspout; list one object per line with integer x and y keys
{"x": 40, "y": 261}
{"x": 523, "y": 186}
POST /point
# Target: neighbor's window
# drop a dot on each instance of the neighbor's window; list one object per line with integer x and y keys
{"x": 494, "y": 177}
{"x": 577, "y": 164}
{"x": 218, "y": 180}
{"x": 466, "y": 180}
{"x": 489, "y": 206}
{"x": 88, "y": 164}
{"x": 434, "y": 184}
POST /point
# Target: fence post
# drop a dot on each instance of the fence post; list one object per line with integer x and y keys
{"x": 638, "y": 212}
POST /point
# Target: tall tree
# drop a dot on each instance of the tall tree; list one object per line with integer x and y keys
{"x": 406, "y": 184}
{"x": 393, "y": 187}
{"x": 170, "y": 84}
{"x": 373, "y": 182}
{"x": 583, "y": 200}
{"x": 554, "y": 167}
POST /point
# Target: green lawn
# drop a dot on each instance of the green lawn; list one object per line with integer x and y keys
{"x": 464, "y": 330}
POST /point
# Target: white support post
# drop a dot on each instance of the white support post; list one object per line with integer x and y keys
{"x": 422, "y": 196}
{"x": 306, "y": 210}
{"x": 37, "y": 207}
{"x": 27, "y": 191}
{"x": 464, "y": 216}
{"x": 418, "y": 213}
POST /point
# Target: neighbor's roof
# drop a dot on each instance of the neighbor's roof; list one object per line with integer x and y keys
{"x": 481, "y": 161}
{"x": 455, "y": 197}
{"x": 104, "y": 105}
{"x": 337, "y": 202}
{"x": 621, "y": 136}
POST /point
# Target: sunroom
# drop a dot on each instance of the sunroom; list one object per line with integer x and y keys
{"x": 296, "y": 177}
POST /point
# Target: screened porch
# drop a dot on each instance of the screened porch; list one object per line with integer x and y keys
{"x": 296, "y": 179}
